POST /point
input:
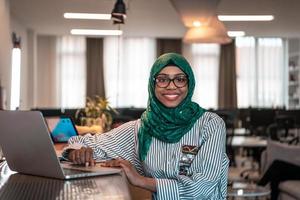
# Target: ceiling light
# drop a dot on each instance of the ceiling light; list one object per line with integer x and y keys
{"x": 118, "y": 19}
{"x": 246, "y": 17}
{"x": 118, "y": 13}
{"x": 197, "y": 23}
{"x": 236, "y": 33}
{"x": 213, "y": 32}
{"x": 95, "y": 32}
{"x": 87, "y": 16}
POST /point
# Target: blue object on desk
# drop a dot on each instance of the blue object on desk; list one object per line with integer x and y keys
{"x": 61, "y": 128}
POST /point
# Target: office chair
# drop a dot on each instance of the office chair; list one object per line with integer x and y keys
{"x": 280, "y": 130}
{"x": 229, "y": 116}
{"x": 258, "y": 120}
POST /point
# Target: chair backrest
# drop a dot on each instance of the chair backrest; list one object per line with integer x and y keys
{"x": 244, "y": 117}
{"x": 260, "y": 119}
{"x": 134, "y": 113}
{"x": 280, "y": 151}
{"x": 58, "y": 112}
{"x": 293, "y": 114}
{"x": 126, "y": 114}
{"x": 228, "y": 115}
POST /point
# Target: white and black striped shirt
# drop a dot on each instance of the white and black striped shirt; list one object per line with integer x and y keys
{"x": 207, "y": 175}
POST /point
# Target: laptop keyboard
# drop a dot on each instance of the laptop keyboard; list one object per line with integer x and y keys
{"x": 22, "y": 187}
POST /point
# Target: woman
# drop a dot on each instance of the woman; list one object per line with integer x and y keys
{"x": 176, "y": 150}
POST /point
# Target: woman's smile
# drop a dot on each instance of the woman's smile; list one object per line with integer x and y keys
{"x": 171, "y": 97}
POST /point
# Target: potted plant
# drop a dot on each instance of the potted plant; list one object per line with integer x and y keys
{"x": 97, "y": 114}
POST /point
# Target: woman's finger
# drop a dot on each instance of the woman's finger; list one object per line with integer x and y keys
{"x": 71, "y": 155}
{"x": 82, "y": 155}
{"x": 77, "y": 157}
{"x": 89, "y": 157}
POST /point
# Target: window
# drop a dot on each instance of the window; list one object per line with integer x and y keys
{"x": 261, "y": 73}
{"x": 204, "y": 59}
{"x": 71, "y": 73}
{"x": 127, "y": 64}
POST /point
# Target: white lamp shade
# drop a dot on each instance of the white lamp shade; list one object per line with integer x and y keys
{"x": 212, "y": 32}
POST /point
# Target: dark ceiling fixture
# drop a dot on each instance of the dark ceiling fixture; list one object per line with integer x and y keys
{"x": 118, "y": 14}
{"x": 16, "y": 40}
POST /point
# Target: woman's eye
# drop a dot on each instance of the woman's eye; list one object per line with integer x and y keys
{"x": 180, "y": 79}
{"x": 162, "y": 80}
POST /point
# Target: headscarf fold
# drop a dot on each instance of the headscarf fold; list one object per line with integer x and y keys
{"x": 167, "y": 124}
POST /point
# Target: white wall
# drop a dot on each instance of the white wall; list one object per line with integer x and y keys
{"x": 9, "y": 24}
{"x": 5, "y": 50}
{"x": 38, "y": 80}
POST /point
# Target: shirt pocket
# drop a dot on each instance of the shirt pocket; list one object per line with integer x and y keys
{"x": 187, "y": 158}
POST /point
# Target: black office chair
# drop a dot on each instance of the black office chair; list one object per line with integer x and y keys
{"x": 49, "y": 112}
{"x": 260, "y": 119}
{"x": 229, "y": 116}
{"x": 280, "y": 130}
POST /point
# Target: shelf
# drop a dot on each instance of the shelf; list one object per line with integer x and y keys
{"x": 294, "y": 54}
{"x": 294, "y": 95}
{"x": 293, "y": 83}
{"x": 294, "y": 98}
{"x": 293, "y": 69}
{"x": 294, "y": 78}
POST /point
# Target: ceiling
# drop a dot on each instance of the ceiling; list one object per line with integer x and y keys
{"x": 154, "y": 18}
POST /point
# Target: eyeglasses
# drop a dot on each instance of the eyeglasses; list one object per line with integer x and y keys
{"x": 164, "y": 81}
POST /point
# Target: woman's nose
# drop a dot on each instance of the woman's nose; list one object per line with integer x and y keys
{"x": 171, "y": 85}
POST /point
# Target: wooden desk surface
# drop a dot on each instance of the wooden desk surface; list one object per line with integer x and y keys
{"x": 18, "y": 186}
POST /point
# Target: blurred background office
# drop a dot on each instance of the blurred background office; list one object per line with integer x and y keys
{"x": 245, "y": 55}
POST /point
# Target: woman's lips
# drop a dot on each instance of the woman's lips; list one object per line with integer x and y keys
{"x": 171, "y": 97}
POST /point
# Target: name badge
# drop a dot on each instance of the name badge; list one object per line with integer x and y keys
{"x": 188, "y": 153}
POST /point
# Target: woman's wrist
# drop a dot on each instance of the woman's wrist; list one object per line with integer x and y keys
{"x": 147, "y": 183}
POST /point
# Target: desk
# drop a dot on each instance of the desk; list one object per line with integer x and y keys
{"x": 18, "y": 186}
{"x": 248, "y": 142}
{"x": 253, "y": 144}
{"x": 238, "y": 132}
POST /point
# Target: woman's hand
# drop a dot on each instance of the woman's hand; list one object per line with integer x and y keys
{"x": 133, "y": 176}
{"x": 82, "y": 156}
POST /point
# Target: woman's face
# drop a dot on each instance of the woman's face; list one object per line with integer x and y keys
{"x": 171, "y": 93}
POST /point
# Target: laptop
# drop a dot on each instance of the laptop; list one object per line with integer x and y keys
{"x": 61, "y": 128}
{"x": 28, "y": 148}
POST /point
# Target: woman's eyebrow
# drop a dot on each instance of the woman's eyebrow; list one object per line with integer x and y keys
{"x": 180, "y": 74}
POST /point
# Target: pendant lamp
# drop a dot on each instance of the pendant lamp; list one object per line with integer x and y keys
{"x": 213, "y": 31}
{"x": 118, "y": 13}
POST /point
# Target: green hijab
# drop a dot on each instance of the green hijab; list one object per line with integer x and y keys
{"x": 167, "y": 124}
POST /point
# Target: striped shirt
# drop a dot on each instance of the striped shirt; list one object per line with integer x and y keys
{"x": 206, "y": 177}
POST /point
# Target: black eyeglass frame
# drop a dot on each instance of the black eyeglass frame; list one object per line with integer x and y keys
{"x": 172, "y": 80}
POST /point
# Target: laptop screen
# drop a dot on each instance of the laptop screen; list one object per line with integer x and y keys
{"x": 61, "y": 128}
